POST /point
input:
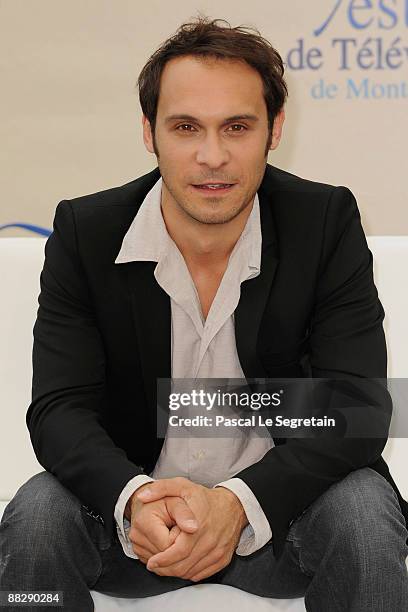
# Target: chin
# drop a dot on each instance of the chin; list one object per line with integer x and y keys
{"x": 217, "y": 217}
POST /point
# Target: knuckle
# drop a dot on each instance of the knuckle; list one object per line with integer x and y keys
{"x": 181, "y": 479}
{"x": 133, "y": 535}
{"x": 182, "y": 483}
{"x": 227, "y": 550}
{"x": 132, "y": 538}
{"x": 136, "y": 533}
{"x": 219, "y": 555}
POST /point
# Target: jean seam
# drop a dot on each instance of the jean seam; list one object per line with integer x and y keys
{"x": 297, "y": 547}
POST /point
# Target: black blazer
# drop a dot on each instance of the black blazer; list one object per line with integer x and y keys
{"x": 102, "y": 338}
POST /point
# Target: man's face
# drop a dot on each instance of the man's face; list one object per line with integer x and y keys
{"x": 211, "y": 141}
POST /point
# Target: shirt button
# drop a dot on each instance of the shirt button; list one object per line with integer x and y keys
{"x": 199, "y": 455}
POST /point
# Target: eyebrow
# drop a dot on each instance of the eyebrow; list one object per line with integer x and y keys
{"x": 182, "y": 117}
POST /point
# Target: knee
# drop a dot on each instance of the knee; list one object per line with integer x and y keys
{"x": 41, "y": 507}
{"x": 362, "y": 505}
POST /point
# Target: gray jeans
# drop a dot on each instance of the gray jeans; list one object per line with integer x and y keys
{"x": 345, "y": 553}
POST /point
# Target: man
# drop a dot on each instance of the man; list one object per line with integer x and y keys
{"x": 175, "y": 275}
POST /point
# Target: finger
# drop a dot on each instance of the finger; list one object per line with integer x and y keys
{"x": 182, "y": 514}
{"x": 178, "y": 551}
{"x": 158, "y": 533}
{"x": 154, "y": 530}
{"x": 209, "y": 571}
{"x": 164, "y": 487}
{"x": 201, "y": 556}
{"x": 195, "y": 562}
{"x": 142, "y": 546}
{"x": 174, "y": 531}
{"x": 142, "y": 552}
{"x": 204, "y": 563}
{"x": 138, "y": 539}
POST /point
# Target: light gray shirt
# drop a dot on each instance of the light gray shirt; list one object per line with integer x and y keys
{"x": 205, "y": 349}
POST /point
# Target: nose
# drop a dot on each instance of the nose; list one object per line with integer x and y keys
{"x": 212, "y": 151}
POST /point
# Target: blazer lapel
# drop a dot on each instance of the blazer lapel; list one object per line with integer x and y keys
{"x": 151, "y": 310}
{"x": 152, "y": 315}
{"x": 255, "y": 291}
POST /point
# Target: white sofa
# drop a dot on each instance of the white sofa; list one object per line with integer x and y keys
{"x": 21, "y": 261}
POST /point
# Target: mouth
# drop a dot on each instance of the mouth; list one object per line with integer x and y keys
{"x": 217, "y": 189}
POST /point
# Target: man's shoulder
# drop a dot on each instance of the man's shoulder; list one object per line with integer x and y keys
{"x": 294, "y": 197}
{"x": 304, "y": 205}
{"x": 130, "y": 194}
{"x": 277, "y": 179}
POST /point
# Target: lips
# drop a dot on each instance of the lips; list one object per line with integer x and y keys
{"x": 213, "y": 185}
{"x": 220, "y": 189}
{"x": 219, "y": 183}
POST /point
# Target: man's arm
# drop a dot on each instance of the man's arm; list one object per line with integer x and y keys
{"x": 346, "y": 342}
{"x": 123, "y": 513}
{"x": 67, "y": 415}
{"x": 257, "y": 531}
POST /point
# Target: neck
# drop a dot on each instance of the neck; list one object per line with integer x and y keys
{"x": 203, "y": 245}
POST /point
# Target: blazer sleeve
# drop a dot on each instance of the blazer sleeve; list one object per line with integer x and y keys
{"x": 66, "y": 417}
{"x": 347, "y": 342}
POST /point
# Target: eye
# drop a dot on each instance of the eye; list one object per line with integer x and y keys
{"x": 184, "y": 125}
{"x": 188, "y": 125}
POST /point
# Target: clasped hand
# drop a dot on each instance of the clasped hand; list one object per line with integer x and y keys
{"x": 163, "y": 538}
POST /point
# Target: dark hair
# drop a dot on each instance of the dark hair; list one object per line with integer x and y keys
{"x": 205, "y": 38}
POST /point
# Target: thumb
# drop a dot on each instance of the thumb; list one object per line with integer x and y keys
{"x": 163, "y": 487}
{"x": 182, "y": 514}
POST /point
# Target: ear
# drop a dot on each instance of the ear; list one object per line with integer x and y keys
{"x": 147, "y": 134}
{"x": 277, "y": 129}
